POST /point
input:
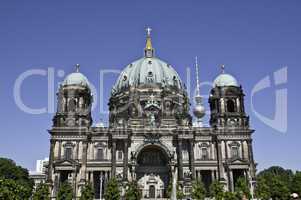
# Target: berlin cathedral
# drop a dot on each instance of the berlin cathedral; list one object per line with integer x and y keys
{"x": 151, "y": 136}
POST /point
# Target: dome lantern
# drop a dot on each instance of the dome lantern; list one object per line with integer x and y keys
{"x": 148, "y": 50}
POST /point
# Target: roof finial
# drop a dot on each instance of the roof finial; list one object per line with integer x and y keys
{"x": 197, "y": 76}
{"x": 223, "y": 68}
{"x": 148, "y": 39}
{"x": 148, "y": 31}
{"x": 148, "y": 51}
{"x": 77, "y": 67}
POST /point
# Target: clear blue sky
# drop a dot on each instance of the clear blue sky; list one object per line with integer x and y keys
{"x": 252, "y": 38}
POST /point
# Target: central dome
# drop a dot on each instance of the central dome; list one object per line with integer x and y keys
{"x": 148, "y": 70}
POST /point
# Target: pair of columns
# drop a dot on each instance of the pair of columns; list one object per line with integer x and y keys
{"x": 199, "y": 174}
{"x": 125, "y": 158}
{"x": 191, "y": 158}
{"x": 104, "y": 174}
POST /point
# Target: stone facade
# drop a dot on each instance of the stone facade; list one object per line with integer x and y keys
{"x": 150, "y": 137}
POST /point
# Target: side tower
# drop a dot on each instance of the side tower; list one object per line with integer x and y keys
{"x": 69, "y": 134}
{"x": 74, "y": 102}
{"x": 232, "y": 134}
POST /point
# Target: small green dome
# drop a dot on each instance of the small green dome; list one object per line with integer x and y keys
{"x": 147, "y": 70}
{"x": 225, "y": 80}
{"x": 76, "y": 78}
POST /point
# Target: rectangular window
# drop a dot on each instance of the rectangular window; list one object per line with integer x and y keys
{"x": 204, "y": 153}
{"x": 119, "y": 155}
{"x": 68, "y": 153}
{"x": 234, "y": 152}
{"x": 99, "y": 154}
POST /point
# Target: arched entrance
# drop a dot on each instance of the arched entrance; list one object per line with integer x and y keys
{"x": 153, "y": 171}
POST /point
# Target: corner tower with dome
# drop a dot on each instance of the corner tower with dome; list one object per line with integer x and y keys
{"x": 151, "y": 137}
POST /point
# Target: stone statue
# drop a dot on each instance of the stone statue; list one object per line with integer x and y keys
{"x": 152, "y": 120}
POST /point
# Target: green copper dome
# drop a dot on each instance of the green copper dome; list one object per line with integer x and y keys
{"x": 147, "y": 70}
{"x": 225, "y": 80}
{"x": 76, "y": 78}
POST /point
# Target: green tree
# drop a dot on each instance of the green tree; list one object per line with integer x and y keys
{"x": 112, "y": 191}
{"x": 65, "y": 192}
{"x": 262, "y": 189}
{"x": 179, "y": 192}
{"x": 297, "y": 183}
{"x": 133, "y": 192}
{"x": 278, "y": 181}
{"x": 284, "y": 175}
{"x": 87, "y": 192}
{"x": 242, "y": 188}
{"x": 278, "y": 189}
{"x": 198, "y": 190}
{"x": 216, "y": 190}
{"x": 9, "y": 170}
{"x": 230, "y": 196}
{"x": 11, "y": 190}
{"x": 41, "y": 192}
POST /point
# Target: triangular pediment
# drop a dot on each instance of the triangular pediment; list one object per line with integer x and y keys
{"x": 237, "y": 161}
{"x": 66, "y": 162}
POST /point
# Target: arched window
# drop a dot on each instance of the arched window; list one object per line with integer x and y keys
{"x": 72, "y": 105}
{"x": 230, "y": 106}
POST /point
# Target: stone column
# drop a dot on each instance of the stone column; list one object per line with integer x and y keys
{"x": 180, "y": 159}
{"x": 212, "y": 175}
{"x": 231, "y": 180}
{"x": 200, "y": 175}
{"x": 113, "y": 157}
{"x": 106, "y": 177}
{"x": 125, "y": 161}
{"x": 92, "y": 178}
{"x": 191, "y": 156}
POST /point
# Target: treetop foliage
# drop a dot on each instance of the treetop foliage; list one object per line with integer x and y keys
{"x": 112, "y": 190}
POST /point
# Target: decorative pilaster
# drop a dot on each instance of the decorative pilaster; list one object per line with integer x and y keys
{"x": 251, "y": 159}
{"x": 84, "y": 161}
{"x": 113, "y": 158}
{"x": 191, "y": 156}
{"x": 51, "y": 159}
{"x": 125, "y": 161}
{"x": 180, "y": 159}
{"x": 220, "y": 160}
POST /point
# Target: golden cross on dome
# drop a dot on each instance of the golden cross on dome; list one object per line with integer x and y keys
{"x": 223, "y": 68}
{"x": 148, "y": 51}
{"x": 77, "y": 67}
{"x": 148, "y": 31}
